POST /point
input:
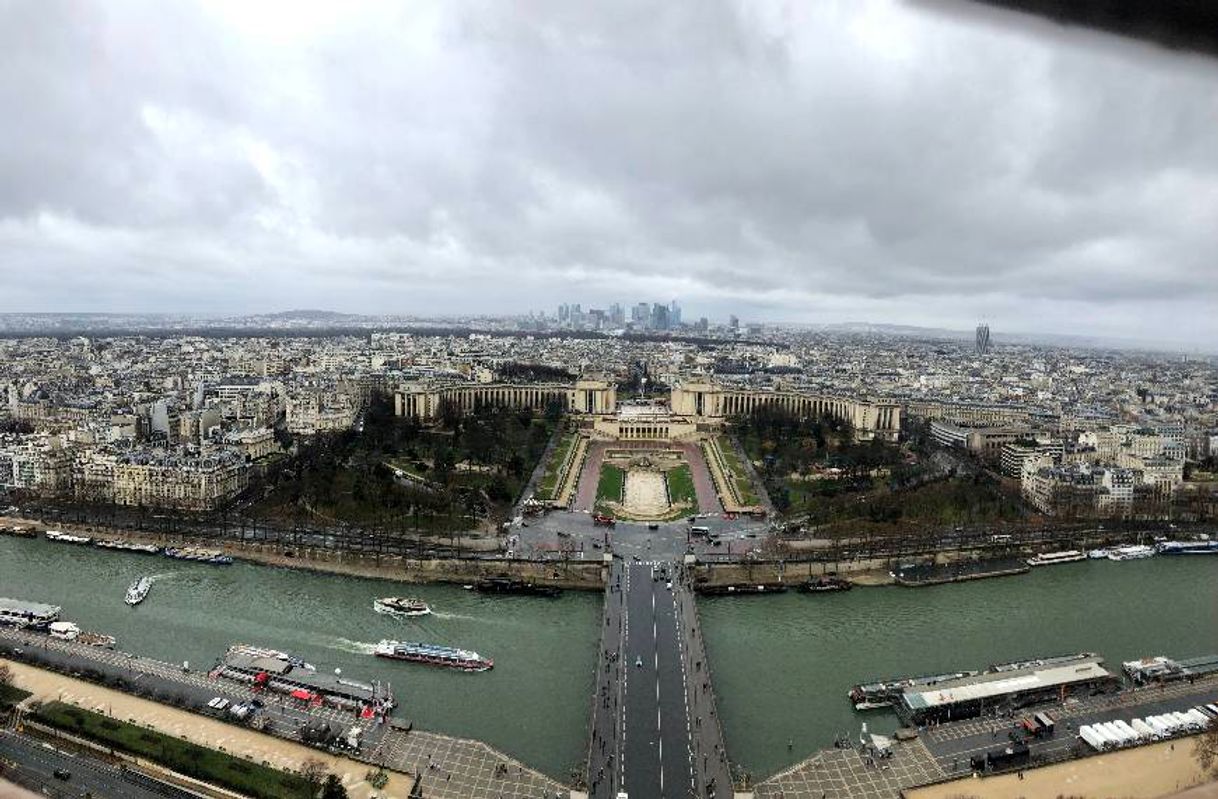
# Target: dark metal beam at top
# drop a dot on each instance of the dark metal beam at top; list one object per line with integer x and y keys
{"x": 1177, "y": 24}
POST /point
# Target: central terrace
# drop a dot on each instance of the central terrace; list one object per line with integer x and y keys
{"x": 654, "y": 460}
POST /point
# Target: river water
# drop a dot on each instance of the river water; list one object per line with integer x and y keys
{"x": 533, "y": 705}
{"x": 782, "y": 664}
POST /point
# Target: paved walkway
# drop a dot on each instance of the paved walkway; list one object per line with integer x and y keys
{"x": 458, "y": 768}
{"x": 704, "y": 486}
{"x": 589, "y": 475}
{"x": 847, "y": 774}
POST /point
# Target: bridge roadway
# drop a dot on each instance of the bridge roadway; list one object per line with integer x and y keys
{"x": 655, "y": 732}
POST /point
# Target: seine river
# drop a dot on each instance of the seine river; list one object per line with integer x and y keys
{"x": 534, "y": 704}
{"x": 781, "y": 664}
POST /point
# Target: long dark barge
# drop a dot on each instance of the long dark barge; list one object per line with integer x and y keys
{"x": 742, "y": 589}
{"x": 512, "y": 585}
{"x": 917, "y": 576}
{"x": 826, "y": 584}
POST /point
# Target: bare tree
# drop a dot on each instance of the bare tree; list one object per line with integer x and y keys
{"x": 1206, "y": 751}
{"x": 314, "y": 771}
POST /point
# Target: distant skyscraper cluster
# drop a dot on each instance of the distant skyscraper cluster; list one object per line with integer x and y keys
{"x": 983, "y": 339}
{"x": 655, "y": 316}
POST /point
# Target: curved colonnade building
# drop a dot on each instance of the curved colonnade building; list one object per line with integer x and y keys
{"x": 693, "y": 405}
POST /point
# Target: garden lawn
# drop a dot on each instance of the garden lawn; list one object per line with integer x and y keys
{"x": 184, "y": 757}
{"x": 609, "y": 487}
{"x": 681, "y": 486}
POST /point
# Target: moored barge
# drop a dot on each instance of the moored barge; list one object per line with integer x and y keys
{"x": 511, "y": 585}
{"x": 30, "y": 615}
{"x": 67, "y": 538}
{"x": 198, "y": 555}
{"x": 742, "y": 589}
{"x": 817, "y": 585}
{"x": 271, "y": 670}
{"x": 885, "y": 693}
{"x": 1188, "y": 548}
{"x": 1052, "y": 558}
{"x": 127, "y": 546}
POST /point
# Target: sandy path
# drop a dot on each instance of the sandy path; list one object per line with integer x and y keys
{"x": 1139, "y": 773}
{"x": 249, "y": 744}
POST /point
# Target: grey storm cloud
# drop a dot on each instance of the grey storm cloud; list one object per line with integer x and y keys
{"x": 797, "y": 162}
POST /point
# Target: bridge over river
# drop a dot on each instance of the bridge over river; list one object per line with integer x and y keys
{"x": 655, "y": 732}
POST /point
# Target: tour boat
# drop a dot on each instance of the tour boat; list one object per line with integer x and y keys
{"x": 67, "y": 538}
{"x": 1188, "y": 548}
{"x": 1050, "y": 558}
{"x": 1132, "y": 552}
{"x": 127, "y": 546}
{"x": 138, "y": 590}
{"x": 884, "y": 693}
{"x": 1097, "y": 554}
{"x": 251, "y": 651}
{"x": 28, "y": 615}
{"x": 199, "y": 555}
{"x": 401, "y": 606}
{"x": 433, "y": 655}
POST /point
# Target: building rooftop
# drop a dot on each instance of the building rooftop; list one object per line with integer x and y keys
{"x": 986, "y": 686}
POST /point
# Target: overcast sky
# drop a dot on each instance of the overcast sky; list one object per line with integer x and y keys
{"x": 805, "y": 162}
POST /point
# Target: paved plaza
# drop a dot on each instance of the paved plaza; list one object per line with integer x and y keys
{"x": 458, "y": 768}
{"x": 704, "y": 487}
{"x": 849, "y": 774}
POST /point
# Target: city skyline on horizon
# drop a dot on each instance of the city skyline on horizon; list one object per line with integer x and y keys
{"x": 964, "y": 335}
{"x": 460, "y": 162}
